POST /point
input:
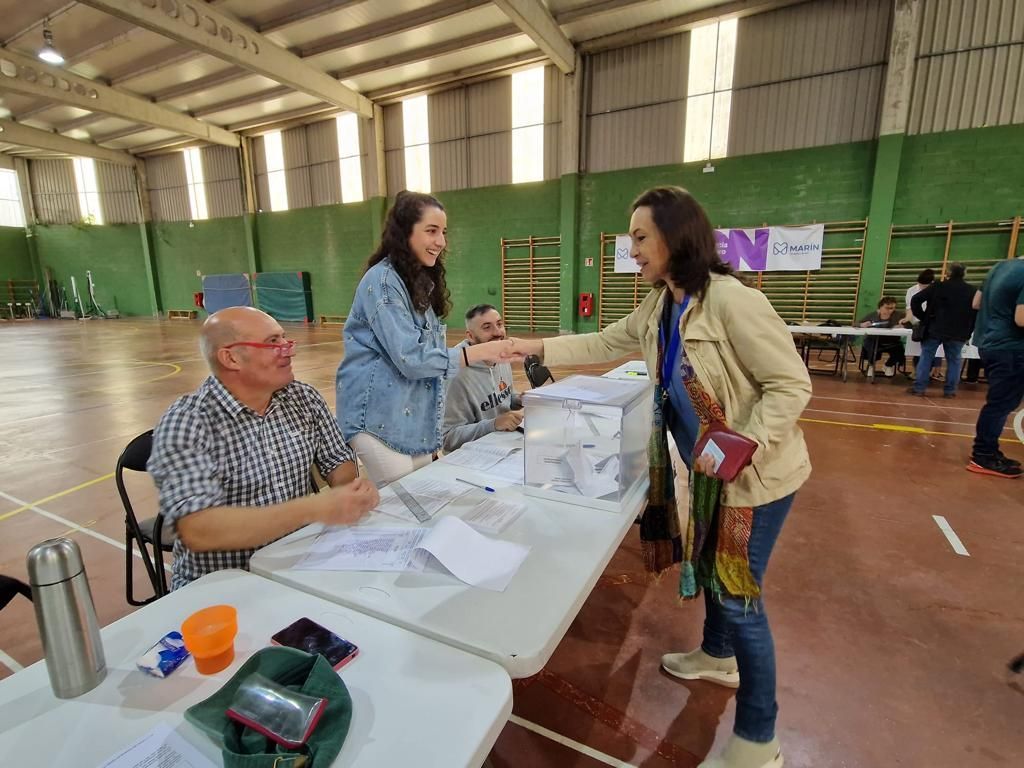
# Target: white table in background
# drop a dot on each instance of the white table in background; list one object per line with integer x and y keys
{"x": 518, "y": 628}
{"x": 846, "y": 334}
{"x": 414, "y": 701}
{"x": 631, "y": 370}
{"x": 970, "y": 352}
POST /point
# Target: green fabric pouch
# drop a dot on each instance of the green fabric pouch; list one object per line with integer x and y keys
{"x": 243, "y": 747}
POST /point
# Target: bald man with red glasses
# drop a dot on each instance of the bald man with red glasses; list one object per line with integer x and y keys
{"x": 232, "y": 460}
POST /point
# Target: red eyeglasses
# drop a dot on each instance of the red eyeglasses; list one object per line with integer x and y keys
{"x": 284, "y": 349}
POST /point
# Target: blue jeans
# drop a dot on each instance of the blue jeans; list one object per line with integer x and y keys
{"x": 1005, "y": 372}
{"x": 737, "y": 628}
{"x": 954, "y": 351}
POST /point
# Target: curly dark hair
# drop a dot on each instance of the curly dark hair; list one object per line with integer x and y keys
{"x": 689, "y": 236}
{"x": 426, "y": 285}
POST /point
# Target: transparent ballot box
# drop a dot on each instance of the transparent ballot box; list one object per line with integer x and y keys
{"x": 586, "y": 441}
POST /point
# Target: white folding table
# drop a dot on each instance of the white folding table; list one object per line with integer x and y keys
{"x": 415, "y": 701}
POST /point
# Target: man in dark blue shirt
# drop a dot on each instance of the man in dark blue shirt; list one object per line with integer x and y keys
{"x": 999, "y": 334}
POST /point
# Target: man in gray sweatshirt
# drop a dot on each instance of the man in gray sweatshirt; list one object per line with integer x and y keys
{"x": 480, "y": 398}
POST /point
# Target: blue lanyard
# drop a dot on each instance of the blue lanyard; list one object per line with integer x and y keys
{"x": 670, "y": 351}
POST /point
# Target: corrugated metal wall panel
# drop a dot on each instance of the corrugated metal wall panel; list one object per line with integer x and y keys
{"x": 490, "y": 159}
{"x": 394, "y": 138}
{"x": 554, "y": 90}
{"x": 552, "y": 148}
{"x": 970, "y": 67}
{"x": 368, "y": 146}
{"x": 119, "y": 197}
{"x": 950, "y": 25}
{"x": 490, "y": 106}
{"x": 807, "y": 112}
{"x": 168, "y": 193}
{"x": 809, "y": 39}
{"x": 222, "y": 174}
{"x": 640, "y": 75}
{"x": 636, "y": 138}
{"x": 446, "y": 112}
{"x": 259, "y": 156}
{"x": 53, "y": 191}
{"x": 296, "y": 164}
{"x": 448, "y": 165}
{"x": 324, "y": 168}
{"x": 394, "y": 162}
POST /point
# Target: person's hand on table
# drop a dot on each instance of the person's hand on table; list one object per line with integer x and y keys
{"x": 346, "y": 504}
{"x": 507, "y": 422}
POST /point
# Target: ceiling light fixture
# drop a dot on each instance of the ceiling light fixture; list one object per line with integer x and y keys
{"x": 48, "y": 53}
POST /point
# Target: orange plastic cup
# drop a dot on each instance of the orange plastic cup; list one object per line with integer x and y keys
{"x": 209, "y": 636}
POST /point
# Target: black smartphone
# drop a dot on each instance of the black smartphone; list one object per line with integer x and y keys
{"x": 306, "y": 635}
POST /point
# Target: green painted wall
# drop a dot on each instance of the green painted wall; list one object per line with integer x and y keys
{"x": 822, "y": 183}
{"x": 15, "y": 261}
{"x": 180, "y": 249}
{"x": 112, "y": 252}
{"x": 331, "y": 242}
{"x": 477, "y": 221}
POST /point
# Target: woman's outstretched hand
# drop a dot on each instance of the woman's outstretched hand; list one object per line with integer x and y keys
{"x": 525, "y": 347}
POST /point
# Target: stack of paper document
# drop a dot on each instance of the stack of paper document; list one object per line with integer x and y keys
{"x": 479, "y": 455}
{"x": 493, "y": 515}
{"x": 469, "y": 556}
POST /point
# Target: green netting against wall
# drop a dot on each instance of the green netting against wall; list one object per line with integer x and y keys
{"x": 285, "y": 296}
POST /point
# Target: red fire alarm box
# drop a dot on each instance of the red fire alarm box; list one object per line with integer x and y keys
{"x": 586, "y": 304}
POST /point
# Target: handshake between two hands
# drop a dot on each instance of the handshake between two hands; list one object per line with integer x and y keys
{"x": 504, "y": 350}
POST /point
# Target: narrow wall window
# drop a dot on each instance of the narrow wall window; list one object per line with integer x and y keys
{"x": 709, "y": 91}
{"x": 416, "y": 134}
{"x": 275, "y": 171}
{"x": 349, "y": 158}
{"x": 196, "y": 184}
{"x": 11, "y": 212}
{"x": 528, "y": 125}
{"x": 88, "y": 190}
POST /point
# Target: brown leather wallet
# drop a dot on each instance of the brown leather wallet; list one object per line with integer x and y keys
{"x": 730, "y": 450}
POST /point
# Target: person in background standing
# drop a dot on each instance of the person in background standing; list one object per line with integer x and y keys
{"x": 999, "y": 335}
{"x": 948, "y": 317}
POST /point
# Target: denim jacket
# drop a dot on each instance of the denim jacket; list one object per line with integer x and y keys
{"x": 392, "y": 380}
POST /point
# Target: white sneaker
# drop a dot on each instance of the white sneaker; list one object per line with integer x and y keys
{"x": 740, "y": 753}
{"x": 889, "y": 370}
{"x": 697, "y": 665}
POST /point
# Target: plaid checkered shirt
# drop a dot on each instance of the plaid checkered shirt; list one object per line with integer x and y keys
{"x": 209, "y": 450}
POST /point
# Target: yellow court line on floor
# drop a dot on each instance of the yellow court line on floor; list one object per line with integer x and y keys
{"x": 897, "y": 428}
{"x": 78, "y": 487}
{"x": 175, "y": 372}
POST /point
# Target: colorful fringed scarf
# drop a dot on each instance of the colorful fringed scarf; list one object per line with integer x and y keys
{"x": 717, "y": 537}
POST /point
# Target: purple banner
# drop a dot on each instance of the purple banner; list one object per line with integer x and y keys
{"x": 745, "y": 249}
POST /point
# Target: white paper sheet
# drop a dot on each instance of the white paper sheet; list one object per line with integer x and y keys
{"x": 493, "y": 515}
{"x": 472, "y": 557}
{"x": 469, "y": 556}
{"x": 363, "y": 549}
{"x": 432, "y": 495}
{"x": 508, "y": 470}
{"x": 162, "y": 747}
{"x": 476, "y": 455}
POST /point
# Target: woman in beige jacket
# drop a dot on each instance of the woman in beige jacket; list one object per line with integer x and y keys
{"x": 717, "y": 351}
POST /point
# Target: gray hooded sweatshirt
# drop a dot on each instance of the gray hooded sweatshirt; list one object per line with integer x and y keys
{"x": 476, "y": 396}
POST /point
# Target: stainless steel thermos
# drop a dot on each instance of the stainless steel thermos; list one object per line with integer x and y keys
{"x": 67, "y": 618}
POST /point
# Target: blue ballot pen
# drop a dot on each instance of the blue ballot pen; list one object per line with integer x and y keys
{"x": 475, "y": 485}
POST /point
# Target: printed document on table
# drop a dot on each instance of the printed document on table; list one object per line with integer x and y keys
{"x": 508, "y": 470}
{"x": 479, "y": 455}
{"x": 469, "y": 556}
{"x": 160, "y": 748}
{"x": 363, "y": 549}
{"x": 493, "y": 515}
{"x": 432, "y": 495}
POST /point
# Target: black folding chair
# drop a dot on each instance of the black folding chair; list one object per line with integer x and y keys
{"x": 11, "y": 588}
{"x": 149, "y": 535}
{"x": 536, "y": 372}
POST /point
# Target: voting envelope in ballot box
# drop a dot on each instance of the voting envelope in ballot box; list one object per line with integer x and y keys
{"x": 586, "y": 441}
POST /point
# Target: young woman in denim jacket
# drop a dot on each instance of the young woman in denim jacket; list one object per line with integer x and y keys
{"x": 391, "y": 383}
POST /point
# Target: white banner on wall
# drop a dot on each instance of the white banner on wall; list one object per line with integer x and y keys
{"x": 795, "y": 248}
{"x": 623, "y": 261}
